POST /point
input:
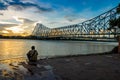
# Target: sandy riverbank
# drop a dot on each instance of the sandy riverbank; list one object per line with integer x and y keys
{"x": 89, "y": 67}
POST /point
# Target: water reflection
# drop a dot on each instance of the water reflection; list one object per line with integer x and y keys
{"x": 12, "y": 48}
{"x": 10, "y": 69}
{"x": 19, "y": 69}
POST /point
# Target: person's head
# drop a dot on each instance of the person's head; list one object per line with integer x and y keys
{"x": 33, "y": 47}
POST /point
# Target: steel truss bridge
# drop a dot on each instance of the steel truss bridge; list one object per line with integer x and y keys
{"x": 93, "y": 29}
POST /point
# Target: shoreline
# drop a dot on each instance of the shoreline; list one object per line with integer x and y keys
{"x": 61, "y": 40}
{"x": 90, "y": 67}
{"x": 70, "y": 67}
{"x": 61, "y": 56}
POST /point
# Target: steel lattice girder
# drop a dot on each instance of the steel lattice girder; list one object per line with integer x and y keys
{"x": 96, "y": 27}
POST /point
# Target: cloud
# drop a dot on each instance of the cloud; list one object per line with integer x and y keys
{"x": 15, "y": 29}
{"x": 71, "y": 18}
{"x": 26, "y": 21}
{"x": 52, "y": 22}
{"x": 22, "y": 5}
{"x": 1, "y": 14}
{"x": 2, "y": 6}
{"x": 26, "y": 24}
{"x": 6, "y": 25}
{"x": 23, "y": 25}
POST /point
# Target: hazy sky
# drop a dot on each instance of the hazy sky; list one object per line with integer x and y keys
{"x": 20, "y": 16}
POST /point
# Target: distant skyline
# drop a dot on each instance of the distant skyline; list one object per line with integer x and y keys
{"x": 18, "y": 17}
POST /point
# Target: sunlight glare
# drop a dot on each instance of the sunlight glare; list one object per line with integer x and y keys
{"x": 5, "y": 31}
{"x": 15, "y": 29}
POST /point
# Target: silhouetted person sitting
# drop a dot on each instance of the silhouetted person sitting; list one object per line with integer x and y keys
{"x": 32, "y": 56}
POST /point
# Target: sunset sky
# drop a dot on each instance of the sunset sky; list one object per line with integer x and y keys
{"x": 18, "y": 17}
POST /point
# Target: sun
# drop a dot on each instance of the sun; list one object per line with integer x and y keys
{"x": 15, "y": 29}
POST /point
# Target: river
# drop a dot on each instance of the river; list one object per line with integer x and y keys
{"x": 12, "y": 48}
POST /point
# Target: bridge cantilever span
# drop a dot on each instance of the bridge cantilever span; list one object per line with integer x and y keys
{"x": 95, "y": 28}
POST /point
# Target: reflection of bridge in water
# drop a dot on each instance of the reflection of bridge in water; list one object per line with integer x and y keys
{"x": 93, "y": 29}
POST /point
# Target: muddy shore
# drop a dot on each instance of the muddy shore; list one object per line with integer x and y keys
{"x": 90, "y": 67}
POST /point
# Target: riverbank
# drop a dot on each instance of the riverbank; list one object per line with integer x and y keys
{"x": 87, "y": 67}
{"x": 91, "y": 67}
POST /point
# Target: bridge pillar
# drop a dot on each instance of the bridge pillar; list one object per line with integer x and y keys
{"x": 118, "y": 44}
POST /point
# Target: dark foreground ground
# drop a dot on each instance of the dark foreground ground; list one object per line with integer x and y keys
{"x": 90, "y": 67}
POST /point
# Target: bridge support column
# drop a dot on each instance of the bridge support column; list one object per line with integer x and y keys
{"x": 119, "y": 44}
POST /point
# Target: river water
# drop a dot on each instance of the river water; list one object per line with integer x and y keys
{"x": 12, "y": 48}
